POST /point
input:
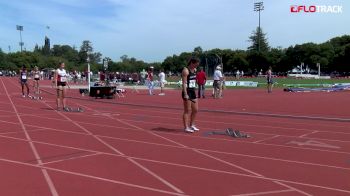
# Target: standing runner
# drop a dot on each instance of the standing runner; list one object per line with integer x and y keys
{"x": 189, "y": 95}
{"x": 36, "y": 76}
{"x": 269, "y": 80}
{"x": 23, "y": 74}
{"x": 61, "y": 83}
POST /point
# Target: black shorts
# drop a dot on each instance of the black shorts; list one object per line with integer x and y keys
{"x": 191, "y": 94}
{"x": 269, "y": 81}
{"x": 61, "y": 83}
{"x": 23, "y": 81}
{"x": 36, "y": 79}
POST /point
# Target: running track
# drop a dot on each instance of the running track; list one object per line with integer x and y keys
{"x": 300, "y": 145}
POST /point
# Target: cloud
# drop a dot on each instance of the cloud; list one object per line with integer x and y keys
{"x": 154, "y": 29}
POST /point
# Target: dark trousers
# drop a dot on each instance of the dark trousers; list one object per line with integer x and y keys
{"x": 201, "y": 90}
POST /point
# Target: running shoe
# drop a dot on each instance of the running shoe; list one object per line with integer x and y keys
{"x": 194, "y": 128}
{"x": 189, "y": 130}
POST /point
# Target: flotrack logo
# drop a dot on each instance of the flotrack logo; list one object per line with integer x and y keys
{"x": 333, "y": 9}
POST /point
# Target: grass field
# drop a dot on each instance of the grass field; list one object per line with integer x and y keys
{"x": 282, "y": 82}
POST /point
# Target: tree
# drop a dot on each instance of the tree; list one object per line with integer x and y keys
{"x": 258, "y": 41}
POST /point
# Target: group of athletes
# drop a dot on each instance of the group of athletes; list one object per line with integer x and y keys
{"x": 59, "y": 82}
{"x": 189, "y": 81}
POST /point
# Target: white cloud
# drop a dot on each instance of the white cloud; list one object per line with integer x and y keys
{"x": 154, "y": 29}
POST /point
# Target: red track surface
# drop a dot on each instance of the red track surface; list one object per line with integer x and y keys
{"x": 116, "y": 149}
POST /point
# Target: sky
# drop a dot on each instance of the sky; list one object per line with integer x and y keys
{"x": 151, "y": 30}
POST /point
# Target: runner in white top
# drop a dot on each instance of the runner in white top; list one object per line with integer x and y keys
{"x": 36, "y": 76}
{"x": 162, "y": 81}
{"x": 60, "y": 82}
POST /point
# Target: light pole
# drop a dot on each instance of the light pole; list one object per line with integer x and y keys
{"x": 20, "y": 29}
{"x": 258, "y": 7}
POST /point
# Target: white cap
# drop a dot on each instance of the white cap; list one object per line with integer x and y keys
{"x": 151, "y": 67}
{"x": 218, "y": 67}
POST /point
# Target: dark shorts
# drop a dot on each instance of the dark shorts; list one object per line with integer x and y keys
{"x": 61, "y": 83}
{"x": 36, "y": 79}
{"x": 191, "y": 94}
{"x": 269, "y": 81}
{"x": 23, "y": 81}
{"x": 217, "y": 84}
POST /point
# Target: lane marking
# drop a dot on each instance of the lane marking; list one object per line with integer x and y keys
{"x": 32, "y": 146}
{"x": 313, "y": 143}
{"x": 264, "y": 193}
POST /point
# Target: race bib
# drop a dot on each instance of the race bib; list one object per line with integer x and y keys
{"x": 192, "y": 84}
{"x": 24, "y": 77}
{"x": 63, "y": 79}
{"x": 36, "y": 76}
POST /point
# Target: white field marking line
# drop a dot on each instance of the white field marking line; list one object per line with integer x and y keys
{"x": 248, "y": 125}
{"x": 199, "y": 137}
{"x": 299, "y": 129}
{"x": 307, "y": 134}
{"x": 187, "y": 166}
{"x": 228, "y": 163}
{"x": 156, "y": 176}
{"x": 294, "y": 189}
{"x": 206, "y": 150}
{"x": 258, "y": 133}
{"x": 230, "y": 119}
{"x": 226, "y": 172}
{"x": 110, "y": 137}
{"x": 238, "y": 118}
{"x": 159, "y": 123}
{"x": 7, "y": 111}
{"x": 265, "y": 139}
{"x": 32, "y": 146}
{"x": 71, "y": 158}
{"x": 10, "y": 115}
{"x": 173, "y": 187}
{"x": 92, "y": 177}
{"x": 164, "y": 181}
{"x": 264, "y": 193}
{"x": 117, "y": 151}
{"x": 184, "y": 146}
{"x": 207, "y": 155}
{"x": 30, "y": 131}
{"x": 87, "y": 131}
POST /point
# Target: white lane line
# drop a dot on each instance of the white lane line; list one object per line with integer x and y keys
{"x": 34, "y": 150}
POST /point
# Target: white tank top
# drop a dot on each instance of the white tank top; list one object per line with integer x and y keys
{"x": 61, "y": 75}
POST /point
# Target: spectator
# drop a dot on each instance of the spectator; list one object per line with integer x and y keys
{"x": 218, "y": 78}
{"x": 201, "y": 80}
{"x": 237, "y": 74}
{"x": 150, "y": 80}
{"x": 162, "y": 82}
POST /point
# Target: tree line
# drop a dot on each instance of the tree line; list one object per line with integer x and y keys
{"x": 333, "y": 55}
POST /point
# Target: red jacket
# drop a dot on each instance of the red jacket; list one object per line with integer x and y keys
{"x": 201, "y": 78}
